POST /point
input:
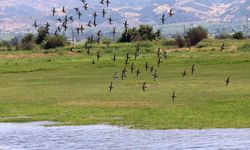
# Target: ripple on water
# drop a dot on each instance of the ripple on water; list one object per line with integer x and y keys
{"x": 35, "y": 136}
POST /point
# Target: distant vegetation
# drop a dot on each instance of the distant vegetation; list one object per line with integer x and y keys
{"x": 42, "y": 40}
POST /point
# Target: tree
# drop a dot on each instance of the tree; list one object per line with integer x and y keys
{"x": 195, "y": 35}
{"x": 145, "y": 32}
{"x": 41, "y": 36}
{"x": 238, "y": 35}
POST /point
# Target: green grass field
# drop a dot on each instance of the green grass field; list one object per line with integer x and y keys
{"x": 66, "y": 87}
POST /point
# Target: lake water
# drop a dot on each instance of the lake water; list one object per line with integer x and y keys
{"x": 35, "y": 136}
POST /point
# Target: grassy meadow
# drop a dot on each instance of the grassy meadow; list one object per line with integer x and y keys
{"x": 62, "y": 86}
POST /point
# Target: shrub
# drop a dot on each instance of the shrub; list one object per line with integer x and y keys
{"x": 4, "y": 45}
{"x": 54, "y": 42}
{"x": 223, "y": 35}
{"x": 180, "y": 41}
{"x": 169, "y": 42}
{"x": 238, "y": 35}
{"x": 27, "y": 42}
{"x": 195, "y": 35}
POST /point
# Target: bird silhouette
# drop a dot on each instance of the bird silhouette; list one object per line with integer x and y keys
{"x": 94, "y": 23}
{"x": 115, "y": 77}
{"x": 138, "y": 73}
{"x": 102, "y": 2}
{"x": 159, "y": 62}
{"x": 155, "y": 76}
{"x": 163, "y": 19}
{"x": 165, "y": 55}
{"x": 63, "y": 10}
{"x": 222, "y": 47}
{"x": 170, "y": 13}
{"x": 144, "y": 86}
{"x": 114, "y": 33}
{"x": 123, "y": 75}
{"x": 146, "y": 66}
{"x": 94, "y": 15}
{"x": 53, "y": 11}
{"x": 193, "y": 69}
{"x": 111, "y": 87}
{"x": 35, "y": 24}
{"x": 103, "y": 13}
{"x": 110, "y": 20}
{"x": 59, "y": 20}
{"x": 228, "y": 81}
{"x": 152, "y": 69}
{"x": 132, "y": 68}
{"x": 98, "y": 55}
{"x": 173, "y": 96}
{"x": 114, "y": 58}
{"x": 76, "y": 9}
{"x": 126, "y": 24}
{"x": 184, "y": 73}
{"x": 126, "y": 61}
{"x": 158, "y": 53}
{"x": 85, "y": 6}
{"x": 79, "y": 14}
{"x": 107, "y": 3}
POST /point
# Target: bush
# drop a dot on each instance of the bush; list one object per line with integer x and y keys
{"x": 4, "y": 45}
{"x": 169, "y": 42}
{"x": 223, "y": 36}
{"x": 54, "y": 42}
{"x": 180, "y": 41}
{"x": 238, "y": 35}
{"x": 195, "y": 35}
{"x": 27, "y": 42}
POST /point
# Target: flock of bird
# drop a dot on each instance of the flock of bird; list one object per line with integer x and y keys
{"x": 160, "y": 55}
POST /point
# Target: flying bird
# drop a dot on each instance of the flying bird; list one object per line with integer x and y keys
{"x": 107, "y": 3}
{"x": 114, "y": 58}
{"x": 144, "y": 86}
{"x": 222, "y": 47}
{"x": 163, "y": 19}
{"x": 146, "y": 66}
{"x": 228, "y": 81}
{"x": 98, "y": 55}
{"x": 35, "y": 24}
{"x": 184, "y": 73}
{"x": 53, "y": 11}
{"x": 173, "y": 96}
{"x": 63, "y": 10}
{"x": 193, "y": 69}
{"x": 115, "y": 77}
{"x": 85, "y": 7}
{"x": 103, "y": 13}
{"x": 111, "y": 87}
{"x": 138, "y": 73}
{"x": 110, "y": 20}
{"x": 155, "y": 76}
{"x": 170, "y": 13}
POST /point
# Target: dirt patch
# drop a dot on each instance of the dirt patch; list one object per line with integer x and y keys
{"x": 33, "y": 55}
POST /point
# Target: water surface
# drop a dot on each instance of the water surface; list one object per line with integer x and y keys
{"x": 35, "y": 136}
